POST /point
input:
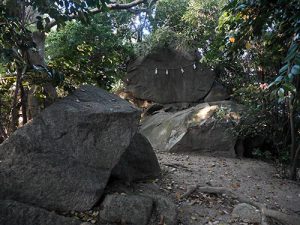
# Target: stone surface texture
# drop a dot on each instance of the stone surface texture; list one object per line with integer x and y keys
{"x": 217, "y": 93}
{"x": 204, "y": 128}
{"x": 138, "y": 162}
{"x": 15, "y": 213}
{"x": 127, "y": 209}
{"x": 174, "y": 87}
{"x": 247, "y": 212}
{"x": 63, "y": 158}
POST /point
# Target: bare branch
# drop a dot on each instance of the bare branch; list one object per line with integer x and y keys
{"x": 113, "y": 6}
{"x": 117, "y": 6}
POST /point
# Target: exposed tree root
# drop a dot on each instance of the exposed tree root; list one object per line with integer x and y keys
{"x": 279, "y": 216}
{"x": 175, "y": 165}
{"x": 189, "y": 191}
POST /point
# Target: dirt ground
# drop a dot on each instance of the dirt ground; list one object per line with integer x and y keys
{"x": 256, "y": 180}
{"x": 251, "y": 178}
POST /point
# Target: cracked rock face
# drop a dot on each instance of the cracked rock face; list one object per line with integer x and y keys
{"x": 63, "y": 158}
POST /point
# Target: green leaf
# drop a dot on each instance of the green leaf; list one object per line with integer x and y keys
{"x": 271, "y": 84}
{"x": 241, "y": 7}
{"x": 297, "y": 59}
{"x": 104, "y": 6}
{"x": 292, "y": 52}
{"x": 280, "y": 93}
{"x": 273, "y": 94}
{"x": 278, "y": 79}
{"x": 295, "y": 70}
{"x": 289, "y": 87}
{"x": 283, "y": 69}
{"x": 290, "y": 77}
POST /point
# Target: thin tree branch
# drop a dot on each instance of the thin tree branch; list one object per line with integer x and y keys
{"x": 117, "y": 6}
{"x": 113, "y": 6}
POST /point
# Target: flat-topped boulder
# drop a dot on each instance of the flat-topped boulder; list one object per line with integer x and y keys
{"x": 169, "y": 76}
{"x": 63, "y": 158}
{"x": 204, "y": 128}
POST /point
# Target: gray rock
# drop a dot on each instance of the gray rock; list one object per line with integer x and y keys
{"x": 166, "y": 208}
{"x": 15, "y": 213}
{"x": 63, "y": 158}
{"x": 129, "y": 209}
{"x": 152, "y": 109}
{"x": 203, "y": 128}
{"x": 138, "y": 162}
{"x": 191, "y": 86}
{"x": 217, "y": 93}
{"x": 247, "y": 212}
{"x": 174, "y": 107}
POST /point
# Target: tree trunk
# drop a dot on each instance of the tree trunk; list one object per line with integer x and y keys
{"x": 3, "y": 134}
{"x": 292, "y": 126}
{"x": 34, "y": 106}
{"x": 23, "y": 103}
{"x": 293, "y": 169}
{"x": 294, "y": 153}
{"x": 37, "y": 58}
{"x": 14, "y": 110}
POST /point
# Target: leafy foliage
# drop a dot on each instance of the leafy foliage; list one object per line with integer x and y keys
{"x": 164, "y": 15}
{"x": 260, "y": 29}
{"x": 192, "y": 27}
{"x": 93, "y": 54}
{"x": 201, "y": 18}
{"x": 262, "y": 32}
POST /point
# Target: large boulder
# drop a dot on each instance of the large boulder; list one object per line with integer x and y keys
{"x": 147, "y": 78}
{"x": 16, "y": 213}
{"x": 203, "y": 128}
{"x": 138, "y": 162}
{"x": 63, "y": 158}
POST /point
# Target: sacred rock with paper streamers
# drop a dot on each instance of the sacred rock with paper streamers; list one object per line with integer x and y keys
{"x": 170, "y": 76}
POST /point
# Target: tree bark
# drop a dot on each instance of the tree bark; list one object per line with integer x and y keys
{"x": 3, "y": 134}
{"x": 292, "y": 127}
{"x": 14, "y": 110}
{"x": 34, "y": 107}
{"x": 23, "y": 103}
{"x": 37, "y": 58}
{"x": 293, "y": 169}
